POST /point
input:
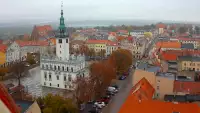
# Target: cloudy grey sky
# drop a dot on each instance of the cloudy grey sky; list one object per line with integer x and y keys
{"x": 179, "y": 10}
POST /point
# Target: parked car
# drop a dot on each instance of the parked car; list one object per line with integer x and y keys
{"x": 110, "y": 93}
{"x": 82, "y": 107}
{"x": 91, "y": 102}
{"x": 105, "y": 99}
{"x": 115, "y": 86}
{"x": 99, "y": 104}
{"x": 122, "y": 78}
{"x": 94, "y": 110}
{"x": 112, "y": 89}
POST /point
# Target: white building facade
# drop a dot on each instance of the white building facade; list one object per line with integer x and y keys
{"x": 20, "y": 49}
{"x": 61, "y": 70}
{"x": 13, "y": 52}
{"x": 111, "y": 47}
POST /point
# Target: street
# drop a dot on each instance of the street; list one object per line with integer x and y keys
{"x": 120, "y": 97}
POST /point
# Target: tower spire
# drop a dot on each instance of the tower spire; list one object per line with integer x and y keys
{"x": 61, "y": 8}
{"x": 62, "y": 28}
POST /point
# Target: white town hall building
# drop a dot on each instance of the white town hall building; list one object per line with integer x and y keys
{"x": 62, "y": 69}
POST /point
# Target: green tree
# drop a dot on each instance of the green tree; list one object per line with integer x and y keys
{"x": 57, "y": 104}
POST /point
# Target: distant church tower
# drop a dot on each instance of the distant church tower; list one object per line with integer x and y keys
{"x": 62, "y": 39}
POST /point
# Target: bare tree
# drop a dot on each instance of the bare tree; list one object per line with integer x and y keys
{"x": 18, "y": 69}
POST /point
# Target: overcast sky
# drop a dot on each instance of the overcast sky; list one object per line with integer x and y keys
{"x": 179, "y": 10}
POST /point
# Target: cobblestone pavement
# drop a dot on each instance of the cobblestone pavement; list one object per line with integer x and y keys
{"x": 33, "y": 86}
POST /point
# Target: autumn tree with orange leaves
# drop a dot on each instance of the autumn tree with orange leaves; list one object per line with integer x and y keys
{"x": 84, "y": 90}
{"x": 3, "y": 71}
{"x": 121, "y": 60}
{"x": 101, "y": 75}
{"x": 94, "y": 86}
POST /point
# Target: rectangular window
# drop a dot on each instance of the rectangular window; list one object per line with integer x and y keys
{"x": 66, "y": 40}
{"x": 57, "y": 77}
{"x": 50, "y": 84}
{"x": 65, "y": 86}
{"x": 45, "y": 83}
{"x": 157, "y": 94}
{"x": 60, "y": 40}
{"x": 158, "y": 87}
{"x": 45, "y": 74}
{"x": 69, "y": 78}
{"x": 58, "y": 85}
{"x": 49, "y": 77}
{"x": 72, "y": 69}
{"x": 63, "y": 68}
{"x": 65, "y": 78}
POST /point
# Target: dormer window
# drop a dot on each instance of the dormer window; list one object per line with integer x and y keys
{"x": 60, "y": 41}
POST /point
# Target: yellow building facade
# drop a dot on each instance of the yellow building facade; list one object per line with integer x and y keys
{"x": 2, "y": 57}
{"x": 187, "y": 63}
{"x": 97, "y": 45}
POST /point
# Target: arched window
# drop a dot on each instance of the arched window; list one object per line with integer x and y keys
{"x": 69, "y": 78}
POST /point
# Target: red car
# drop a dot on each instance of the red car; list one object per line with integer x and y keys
{"x": 105, "y": 99}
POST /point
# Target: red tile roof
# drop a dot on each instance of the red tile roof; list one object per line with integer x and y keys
{"x": 119, "y": 38}
{"x": 44, "y": 29}
{"x": 142, "y": 90}
{"x": 32, "y": 43}
{"x": 148, "y": 105}
{"x": 155, "y": 106}
{"x": 161, "y": 25}
{"x": 168, "y": 56}
{"x": 185, "y": 39}
{"x": 168, "y": 45}
{"x": 3, "y": 47}
{"x": 122, "y": 31}
{"x": 26, "y": 36}
{"x": 187, "y": 87}
{"x": 110, "y": 43}
{"x": 7, "y": 100}
{"x": 113, "y": 33}
{"x": 97, "y": 41}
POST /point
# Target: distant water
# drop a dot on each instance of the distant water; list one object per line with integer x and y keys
{"x": 27, "y": 26}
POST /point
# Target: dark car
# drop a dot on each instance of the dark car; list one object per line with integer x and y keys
{"x": 93, "y": 110}
{"x": 115, "y": 86}
{"x": 122, "y": 78}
